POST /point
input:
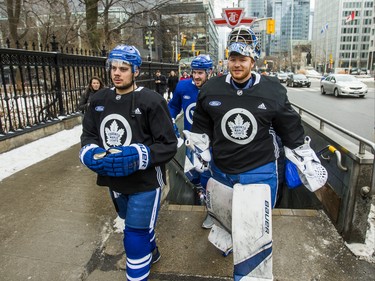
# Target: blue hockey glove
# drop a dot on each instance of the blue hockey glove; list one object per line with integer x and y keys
{"x": 122, "y": 161}
{"x": 91, "y": 155}
{"x": 291, "y": 175}
{"x": 180, "y": 141}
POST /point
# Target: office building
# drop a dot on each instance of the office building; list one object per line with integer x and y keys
{"x": 342, "y": 34}
{"x": 188, "y": 30}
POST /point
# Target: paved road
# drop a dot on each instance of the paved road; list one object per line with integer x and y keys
{"x": 354, "y": 114}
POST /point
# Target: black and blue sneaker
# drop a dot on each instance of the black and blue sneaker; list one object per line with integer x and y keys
{"x": 155, "y": 255}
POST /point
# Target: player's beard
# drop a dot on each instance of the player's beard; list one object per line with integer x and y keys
{"x": 241, "y": 76}
{"x": 125, "y": 86}
{"x": 199, "y": 82}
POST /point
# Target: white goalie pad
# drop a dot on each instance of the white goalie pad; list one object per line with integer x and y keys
{"x": 312, "y": 174}
{"x": 243, "y": 223}
{"x": 221, "y": 239}
{"x": 252, "y": 232}
{"x": 219, "y": 202}
{"x": 219, "y": 205}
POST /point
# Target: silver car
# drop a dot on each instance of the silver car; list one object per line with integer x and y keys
{"x": 282, "y": 77}
{"x": 343, "y": 85}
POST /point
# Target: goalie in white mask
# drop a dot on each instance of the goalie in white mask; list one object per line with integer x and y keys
{"x": 237, "y": 118}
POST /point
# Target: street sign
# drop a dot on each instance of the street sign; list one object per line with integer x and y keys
{"x": 233, "y": 17}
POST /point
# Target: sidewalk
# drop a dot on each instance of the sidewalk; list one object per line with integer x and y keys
{"x": 56, "y": 224}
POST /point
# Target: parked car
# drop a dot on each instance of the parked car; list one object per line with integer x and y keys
{"x": 312, "y": 73}
{"x": 343, "y": 85}
{"x": 298, "y": 80}
{"x": 282, "y": 77}
{"x": 354, "y": 71}
{"x": 363, "y": 71}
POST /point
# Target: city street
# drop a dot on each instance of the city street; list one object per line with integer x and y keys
{"x": 354, "y": 114}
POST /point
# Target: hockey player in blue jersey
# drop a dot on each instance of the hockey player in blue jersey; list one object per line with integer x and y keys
{"x": 235, "y": 122}
{"x": 186, "y": 92}
{"x": 127, "y": 139}
{"x": 184, "y": 98}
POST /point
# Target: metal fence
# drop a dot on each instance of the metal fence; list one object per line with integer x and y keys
{"x": 37, "y": 88}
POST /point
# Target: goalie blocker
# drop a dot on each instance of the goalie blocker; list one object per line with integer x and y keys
{"x": 243, "y": 219}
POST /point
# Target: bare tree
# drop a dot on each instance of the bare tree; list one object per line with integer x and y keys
{"x": 107, "y": 26}
{"x": 87, "y": 22}
{"x": 14, "y": 12}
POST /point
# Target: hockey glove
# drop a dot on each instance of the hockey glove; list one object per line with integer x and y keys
{"x": 291, "y": 175}
{"x": 312, "y": 174}
{"x": 180, "y": 141}
{"x": 198, "y": 154}
{"x": 91, "y": 155}
{"x": 122, "y": 161}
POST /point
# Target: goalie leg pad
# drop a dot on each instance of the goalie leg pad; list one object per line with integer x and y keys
{"x": 252, "y": 232}
{"x": 221, "y": 239}
{"x": 219, "y": 202}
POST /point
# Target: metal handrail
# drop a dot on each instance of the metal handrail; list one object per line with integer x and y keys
{"x": 362, "y": 141}
{"x": 322, "y": 121}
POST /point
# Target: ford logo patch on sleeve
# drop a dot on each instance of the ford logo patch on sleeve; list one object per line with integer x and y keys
{"x": 215, "y": 103}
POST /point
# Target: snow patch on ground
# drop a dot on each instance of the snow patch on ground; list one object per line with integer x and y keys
{"x": 22, "y": 157}
{"x": 366, "y": 251}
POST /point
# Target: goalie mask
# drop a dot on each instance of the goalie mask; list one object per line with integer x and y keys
{"x": 124, "y": 54}
{"x": 242, "y": 40}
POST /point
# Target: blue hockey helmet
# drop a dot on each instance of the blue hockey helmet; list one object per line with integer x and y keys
{"x": 125, "y": 54}
{"x": 202, "y": 62}
{"x": 243, "y": 40}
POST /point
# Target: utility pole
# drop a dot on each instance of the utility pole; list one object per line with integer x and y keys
{"x": 149, "y": 38}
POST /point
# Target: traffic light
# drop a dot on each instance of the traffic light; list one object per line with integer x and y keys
{"x": 183, "y": 40}
{"x": 193, "y": 47}
{"x": 197, "y": 53}
{"x": 178, "y": 56}
{"x": 226, "y": 53}
{"x": 270, "y": 29}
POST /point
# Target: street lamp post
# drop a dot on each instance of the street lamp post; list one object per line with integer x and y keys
{"x": 150, "y": 38}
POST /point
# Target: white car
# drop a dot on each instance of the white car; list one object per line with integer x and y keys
{"x": 313, "y": 74}
{"x": 282, "y": 77}
{"x": 343, "y": 85}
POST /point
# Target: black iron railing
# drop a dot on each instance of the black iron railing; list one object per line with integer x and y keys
{"x": 41, "y": 87}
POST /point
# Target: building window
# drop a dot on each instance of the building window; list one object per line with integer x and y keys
{"x": 365, "y": 38}
{"x": 367, "y": 21}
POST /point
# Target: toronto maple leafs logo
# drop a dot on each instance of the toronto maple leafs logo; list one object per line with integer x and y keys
{"x": 115, "y": 131}
{"x": 113, "y": 134}
{"x": 239, "y": 126}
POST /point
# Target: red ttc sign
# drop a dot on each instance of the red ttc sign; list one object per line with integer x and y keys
{"x": 233, "y": 17}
